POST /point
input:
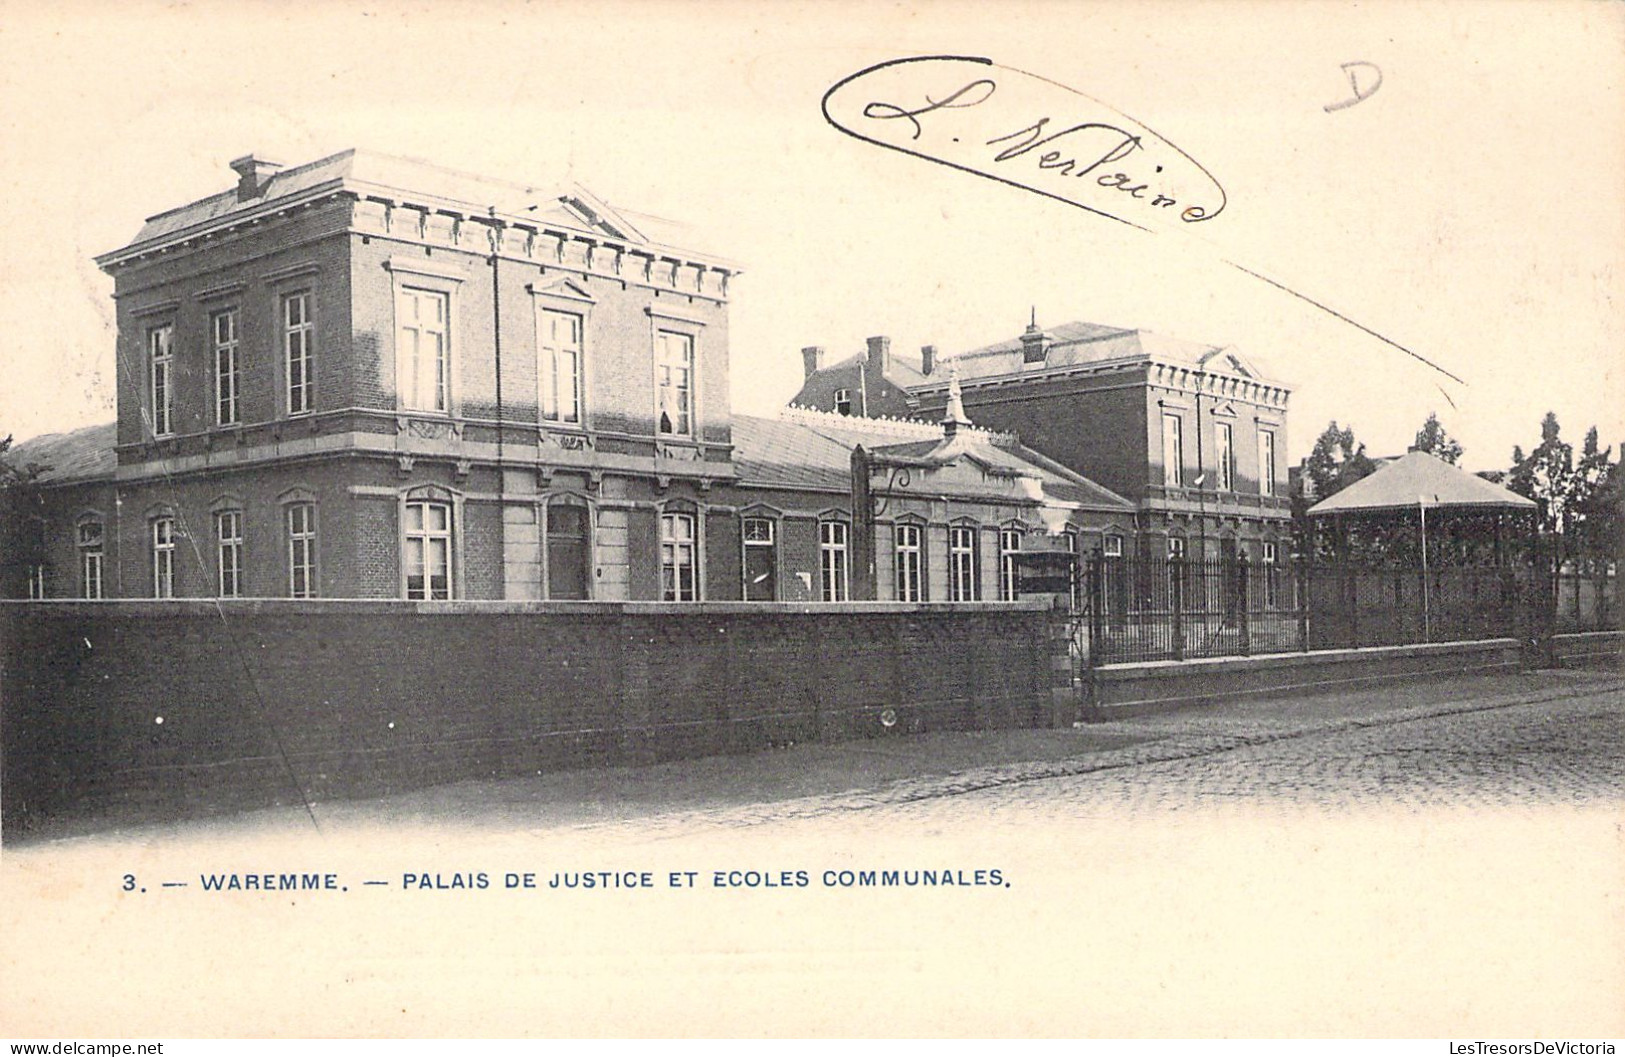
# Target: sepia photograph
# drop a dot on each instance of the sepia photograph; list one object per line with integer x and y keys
{"x": 678, "y": 519}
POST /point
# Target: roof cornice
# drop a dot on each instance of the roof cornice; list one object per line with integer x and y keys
{"x": 399, "y": 197}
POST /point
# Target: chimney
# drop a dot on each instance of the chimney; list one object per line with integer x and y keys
{"x": 928, "y": 359}
{"x": 812, "y": 359}
{"x": 880, "y": 353}
{"x": 252, "y": 175}
{"x": 1033, "y": 341}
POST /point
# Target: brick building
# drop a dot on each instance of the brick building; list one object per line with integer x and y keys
{"x": 1194, "y": 436}
{"x": 368, "y": 377}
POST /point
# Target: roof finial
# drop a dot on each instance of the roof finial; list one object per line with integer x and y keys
{"x": 954, "y": 415}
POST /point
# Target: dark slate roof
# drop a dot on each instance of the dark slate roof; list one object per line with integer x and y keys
{"x": 82, "y": 455}
{"x": 1420, "y": 479}
{"x": 900, "y": 371}
{"x": 811, "y": 449}
{"x": 1078, "y": 343}
{"x": 424, "y": 183}
{"x": 770, "y": 451}
{"x": 1068, "y": 345}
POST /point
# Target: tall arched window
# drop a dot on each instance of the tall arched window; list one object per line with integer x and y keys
{"x": 678, "y": 558}
{"x": 92, "y": 540}
{"x": 963, "y": 577}
{"x": 428, "y": 556}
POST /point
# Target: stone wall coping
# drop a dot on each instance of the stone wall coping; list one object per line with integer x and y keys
{"x": 150, "y": 607}
{"x": 1263, "y": 662}
{"x": 1590, "y": 636}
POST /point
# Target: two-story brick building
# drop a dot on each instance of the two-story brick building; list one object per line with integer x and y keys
{"x": 368, "y": 377}
{"x": 1194, "y": 436}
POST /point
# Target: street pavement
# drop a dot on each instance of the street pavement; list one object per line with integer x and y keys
{"x": 1433, "y": 860}
{"x": 1548, "y": 737}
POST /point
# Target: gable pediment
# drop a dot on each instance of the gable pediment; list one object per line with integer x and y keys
{"x": 1229, "y": 360}
{"x": 563, "y": 287}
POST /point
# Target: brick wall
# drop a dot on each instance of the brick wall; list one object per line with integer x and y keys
{"x": 185, "y": 708}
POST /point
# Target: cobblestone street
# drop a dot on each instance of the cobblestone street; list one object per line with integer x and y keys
{"x": 1426, "y": 860}
{"x": 1569, "y": 751}
{"x": 1534, "y": 741}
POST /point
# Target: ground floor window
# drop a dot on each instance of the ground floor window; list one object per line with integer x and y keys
{"x": 163, "y": 557}
{"x": 832, "y": 560}
{"x": 909, "y": 564}
{"x": 301, "y": 550}
{"x": 962, "y": 564}
{"x": 91, "y": 540}
{"x": 761, "y": 560}
{"x": 229, "y": 531}
{"x": 677, "y": 558}
{"x": 428, "y": 550}
{"x": 1009, "y": 552}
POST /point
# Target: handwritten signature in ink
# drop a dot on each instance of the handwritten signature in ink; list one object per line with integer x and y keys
{"x": 1026, "y": 131}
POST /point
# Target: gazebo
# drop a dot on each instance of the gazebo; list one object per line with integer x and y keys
{"x": 1386, "y": 514}
{"x": 1465, "y": 538}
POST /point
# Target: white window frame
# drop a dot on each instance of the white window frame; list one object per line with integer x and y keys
{"x": 302, "y": 542}
{"x": 424, "y": 535}
{"x": 298, "y": 347}
{"x": 909, "y": 545}
{"x": 413, "y": 331}
{"x": 1111, "y": 545}
{"x": 92, "y": 560}
{"x": 1173, "y": 449}
{"x": 1225, "y": 451}
{"x": 37, "y": 583}
{"x": 1009, "y": 547}
{"x": 843, "y": 401}
{"x": 769, "y": 544}
{"x": 225, "y": 338}
{"x": 679, "y": 552}
{"x": 161, "y": 378}
{"x": 1268, "y": 558}
{"x": 671, "y": 372}
{"x": 964, "y": 558}
{"x": 1266, "y": 462}
{"x": 834, "y": 564}
{"x": 560, "y": 401}
{"x": 228, "y": 534}
{"x": 162, "y": 535}
{"x": 1176, "y": 547}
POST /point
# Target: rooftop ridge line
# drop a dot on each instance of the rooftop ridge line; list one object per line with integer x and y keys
{"x": 913, "y": 428}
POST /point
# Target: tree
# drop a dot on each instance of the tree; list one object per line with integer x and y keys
{"x": 1592, "y": 504}
{"x": 1432, "y": 439}
{"x": 1546, "y": 475}
{"x": 20, "y": 548}
{"x": 1336, "y": 462}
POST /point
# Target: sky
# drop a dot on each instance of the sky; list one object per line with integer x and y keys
{"x": 1471, "y": 208}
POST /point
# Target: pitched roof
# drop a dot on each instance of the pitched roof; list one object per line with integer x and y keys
{"x": 82, "y": 455}
{"x": 1079, "y": 343}
{"x": 408, "y": 179}
{"x": 900, "y": 371}
{"x": 1419, "y": 479}
{"x": 812, "y": 449}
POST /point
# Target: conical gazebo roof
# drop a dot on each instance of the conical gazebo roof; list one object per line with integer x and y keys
{"x": 1419, "y": 479}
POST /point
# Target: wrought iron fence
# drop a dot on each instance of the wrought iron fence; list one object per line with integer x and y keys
{"x": 1145, "y": 609}
{"x": 1153, "y": 609}
{"x": 1588, "y": 600}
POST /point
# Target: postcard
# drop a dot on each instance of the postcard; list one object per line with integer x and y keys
{"x": 711, "y": 519}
